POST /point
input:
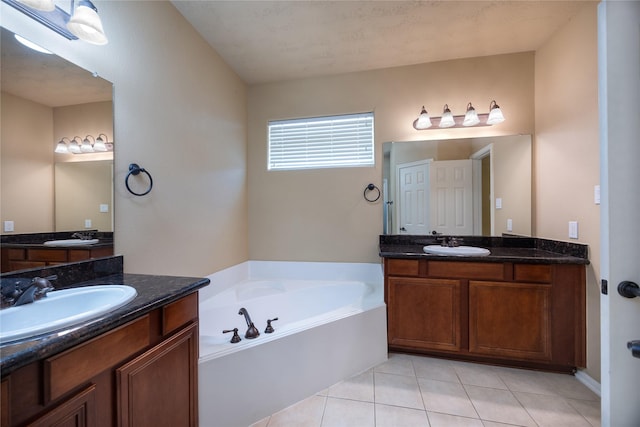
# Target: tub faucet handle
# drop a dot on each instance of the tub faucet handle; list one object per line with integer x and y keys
{"x": 236, "y": 338}
{"x": 269, "y": 329}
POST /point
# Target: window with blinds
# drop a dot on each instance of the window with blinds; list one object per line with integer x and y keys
{"x": 321, "y": 142}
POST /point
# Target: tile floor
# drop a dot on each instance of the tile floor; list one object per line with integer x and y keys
{"x": 409, "y": 391}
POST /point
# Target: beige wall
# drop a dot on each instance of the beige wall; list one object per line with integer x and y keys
{"x": 320, "y": 215}
{"x": 566, "y": 152}
{"x": 180, "y": 112}
{"x": 26, "y": 165}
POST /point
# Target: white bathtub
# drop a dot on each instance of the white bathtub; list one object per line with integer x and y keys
{"x": 329, "y": 328}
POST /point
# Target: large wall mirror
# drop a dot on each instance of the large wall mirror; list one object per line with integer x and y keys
{"x": 46, "y": 98}
{"x": 472, "y": 186}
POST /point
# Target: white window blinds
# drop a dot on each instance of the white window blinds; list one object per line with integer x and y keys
{"x": 321, "y": 142}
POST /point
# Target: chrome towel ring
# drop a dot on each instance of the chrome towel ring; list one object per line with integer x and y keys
{"x": 135, "y": 169}
{"x": 371, "y": 187}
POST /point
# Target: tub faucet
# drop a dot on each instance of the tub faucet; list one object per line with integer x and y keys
{"x": 252, "y": 332}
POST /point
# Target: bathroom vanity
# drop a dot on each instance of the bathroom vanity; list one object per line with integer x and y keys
{"x": 135, "y": 366}
{"x": 522, "y": 305}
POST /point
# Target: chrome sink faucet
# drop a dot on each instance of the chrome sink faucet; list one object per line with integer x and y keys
{"x": 450, "y": 241}
{"x": 252, "y": 331}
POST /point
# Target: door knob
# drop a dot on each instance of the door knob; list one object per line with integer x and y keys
{"x": 629, "y": 289}
{"x": 634, "y": 346}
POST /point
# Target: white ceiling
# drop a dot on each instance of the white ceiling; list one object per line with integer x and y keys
{"x": 266, "y": 41}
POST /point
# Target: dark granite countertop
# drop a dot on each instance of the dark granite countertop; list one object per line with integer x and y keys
{"x": 153, "y": 292}
{"x": 102, "y": 243}
{"x": 528, "y": 250}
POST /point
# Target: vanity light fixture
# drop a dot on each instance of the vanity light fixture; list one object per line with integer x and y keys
{"x": 86, "y": 24}
{"x": 72, "y": 19}
{"x": 44, "y": 5}
{"x": 423, "y": 121}
{"x": 470, "y": 119}
{"x": 495, "y": 114}
{"x": 100, "y": 144}
{"x": 447, "y": 120}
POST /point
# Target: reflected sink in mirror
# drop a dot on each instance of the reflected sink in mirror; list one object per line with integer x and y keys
{"x": 62, "y": 309}
{"x": 71, "y": 242}
{"x": 456, "y": 251}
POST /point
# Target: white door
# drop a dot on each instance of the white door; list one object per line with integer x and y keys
{"x": 452, "y": 197}
{"x": 413, "y": 203}
{"x": 619, "y": 97}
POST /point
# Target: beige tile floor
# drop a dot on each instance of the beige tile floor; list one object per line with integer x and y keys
{"x": 408, "y": 391}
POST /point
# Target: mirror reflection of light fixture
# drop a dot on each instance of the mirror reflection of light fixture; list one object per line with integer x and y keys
{"x": 100, "y": 144}
{"x": 61, "y": 147}
{"x": 74, "y": 147}
{"x": 31, "y": 45}
{"x": 447, "y": 120}
{"x": 470, "y": 117}
{"x": 86, "y": 24}
{"x": 44, "y": 5}
{"x": 423, "y": 121}
{"x": 495, "y": 114}
{"x": 87, "y": 146}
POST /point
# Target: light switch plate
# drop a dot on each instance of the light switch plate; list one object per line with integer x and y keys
{"x": 87, "y": 223}
{"x": 573, "y": 229}
{"x": 8, "y": 226}
{"x": 509, "y": 224}
{"x": 104, "y": 207}
{"x": 596, "y": 194}
{"x": 498, "y": 203}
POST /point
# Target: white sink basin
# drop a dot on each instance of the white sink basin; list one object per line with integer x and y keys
{"x": 62, "y": 309}
{"x": 71, "y": 242}
{"x": 456, "y": 251}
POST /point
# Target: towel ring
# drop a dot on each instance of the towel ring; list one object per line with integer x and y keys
{"x": 371, "y": 187}
{"x": 134, "y": 169}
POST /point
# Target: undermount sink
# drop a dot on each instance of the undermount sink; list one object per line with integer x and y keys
{"x": 71, "y": 242}
{"x": 456, "y": 250}
{"x": 62, "y": 309}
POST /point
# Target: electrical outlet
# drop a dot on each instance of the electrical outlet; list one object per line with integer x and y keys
{"x": 509, "y": 224}
{"x": 87, "y": 223}
{"x": 8, "y": 226}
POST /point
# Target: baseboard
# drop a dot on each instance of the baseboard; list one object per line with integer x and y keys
{"x": 591, "y": 384}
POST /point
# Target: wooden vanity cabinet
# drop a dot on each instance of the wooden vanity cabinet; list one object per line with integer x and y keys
{"x": 140, "y": 374}
{"x": 530, "y": 315}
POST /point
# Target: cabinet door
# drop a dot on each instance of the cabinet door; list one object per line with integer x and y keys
{"x": 424, "y": 313}
{"x": 159, "y": 388}
{"x": 79, "y": 411}
{"x": 510, "y": 320}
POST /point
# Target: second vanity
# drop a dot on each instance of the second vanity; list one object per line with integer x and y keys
{"x": 136, "y": 365}
{"x": 522, "y": 305}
